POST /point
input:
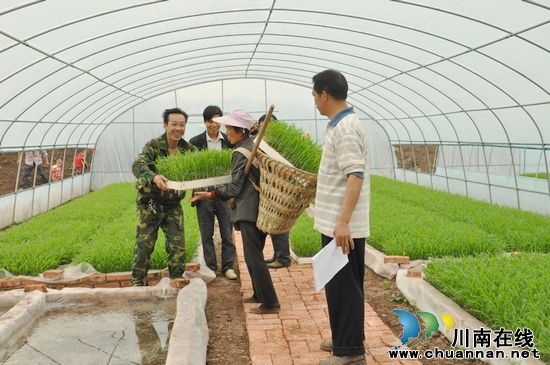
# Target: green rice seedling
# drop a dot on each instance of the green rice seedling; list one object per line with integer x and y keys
{"x": 305, "y": 241}
{"x": 53, "y": 238}
{"x": 293, "y": 144}
{"x": 402, "y": 229}
{"x": 509, "y": 291}
{"x": 518, "y": 230}
{"x": 195, "y": 165}
{"x": 538, "y": 175}
{"x": 98, "y": 228}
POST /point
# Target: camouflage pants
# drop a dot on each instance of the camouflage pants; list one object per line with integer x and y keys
{"x": 170, "y": 219}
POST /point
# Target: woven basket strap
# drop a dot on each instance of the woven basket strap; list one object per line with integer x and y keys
{"x": 247, "y": 154}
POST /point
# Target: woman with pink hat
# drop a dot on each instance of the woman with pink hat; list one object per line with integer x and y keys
{"x": 238, "y": 125}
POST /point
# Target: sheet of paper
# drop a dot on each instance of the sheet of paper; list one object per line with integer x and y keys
{"x": 326, "y": 263}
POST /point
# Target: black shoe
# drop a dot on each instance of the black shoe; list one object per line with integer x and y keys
{"x": 264, "y": 309}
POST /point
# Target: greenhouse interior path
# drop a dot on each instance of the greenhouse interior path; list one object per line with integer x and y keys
{"x": 293, "y": 335}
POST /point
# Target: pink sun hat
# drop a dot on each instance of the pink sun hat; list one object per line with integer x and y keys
{"x": 237, "y": 118}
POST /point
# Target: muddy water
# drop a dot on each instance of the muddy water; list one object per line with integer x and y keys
{"x": 115, "y": 334}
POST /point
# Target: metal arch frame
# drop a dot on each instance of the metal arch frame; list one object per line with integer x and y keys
{"x": 376, "y": 74}
{"x": 428, "y": 118}
{"x": 163, "y": 33}
{"x": 15, "y": 8}
{"x": 256, "y": 58}
{"x": 119, "y": 88}
{"x": 71, "y": 95}
{"x": 240, "y": 10}
{"x": 102, "y": 80}
{"x": 323, "y": 49}
{"x": 483, "y": 103}
{"x": 516, "y": 34}
{"x": 409, "y": 116}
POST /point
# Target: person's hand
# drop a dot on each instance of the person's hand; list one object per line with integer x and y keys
{"x": 199, "y": 195}
{"x": 160, "y": 182}
{"x": 342, "y": 235}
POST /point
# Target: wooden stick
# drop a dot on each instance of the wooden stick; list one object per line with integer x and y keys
{"x": 259, "y": 139}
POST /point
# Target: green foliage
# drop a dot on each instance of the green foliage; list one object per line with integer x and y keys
{"x": 507, "y": 291}
{"x": 98, "y": 228}
{"x": 305, "y": 241}
{"x": 195, "y": 165}
{"x": 293, "y": 144}
{"x": 402, "y": 229}
{"x": 411, "y": 220}
{"x": 405, "y": 217}
{"x": 538, "y": 175}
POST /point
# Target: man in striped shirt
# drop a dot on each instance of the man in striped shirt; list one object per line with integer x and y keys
{"x": 342, "y": 213}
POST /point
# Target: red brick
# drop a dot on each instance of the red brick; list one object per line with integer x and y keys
{"x": 192, "y": 266}
{"x": 5, "y": 283}
{"x": 30, "y": 281}
{"x": 414, "y": 273}
{"x": 118, "y": 276}
{"x": 52, "y": 274}
{"x": 152, "y": 282}
{"x": 397, "y": 259}
{"x": 179, "y": 283}
{"x": 124, "y": 284}
{"x": 93, "y": 279}
{"x": 40, "y": 287}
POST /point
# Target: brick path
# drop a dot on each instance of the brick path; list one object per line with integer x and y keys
{"x": 292, "y": 336}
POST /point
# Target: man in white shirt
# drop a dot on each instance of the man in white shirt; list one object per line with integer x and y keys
{"x": 208, "y": 209}
{"x": 33, "y": 159}
{"x": 342, "y": 213}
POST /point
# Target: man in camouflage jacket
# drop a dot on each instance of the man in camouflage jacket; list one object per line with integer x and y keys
{"x": 157, "y": 205}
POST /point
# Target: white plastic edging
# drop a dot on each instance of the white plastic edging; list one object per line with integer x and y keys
{"x": 18, "y": 319}
{"x": 298, "y": 259}
{"x": 195, "y": 184}
{"x": 427, "y": 298}
{"x": 189, "y": 338}
{"x": 374, "y": 259}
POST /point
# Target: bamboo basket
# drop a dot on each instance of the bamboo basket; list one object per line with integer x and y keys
{"x": 285, "y": 192}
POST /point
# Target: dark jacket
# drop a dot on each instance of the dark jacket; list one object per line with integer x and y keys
{"x": 246, "y": 197}
{"x": 200, "y": 141}
{"x": 144, "y": 169}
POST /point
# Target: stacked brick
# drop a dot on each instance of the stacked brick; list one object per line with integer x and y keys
{"x": 53, "y": 279}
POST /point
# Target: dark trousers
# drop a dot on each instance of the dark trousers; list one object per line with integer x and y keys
{"x": 27, "y": 169}
{"x": 206, "y": 210}
{"x": 281, "y": 247}
{"x": 346, "y": 302}
{"x": 253, "y": 245}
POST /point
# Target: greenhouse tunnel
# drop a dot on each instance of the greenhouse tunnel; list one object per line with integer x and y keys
{"x": 467, "y": 83}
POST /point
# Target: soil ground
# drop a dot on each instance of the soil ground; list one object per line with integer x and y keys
{"x": 9, "y": 166}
